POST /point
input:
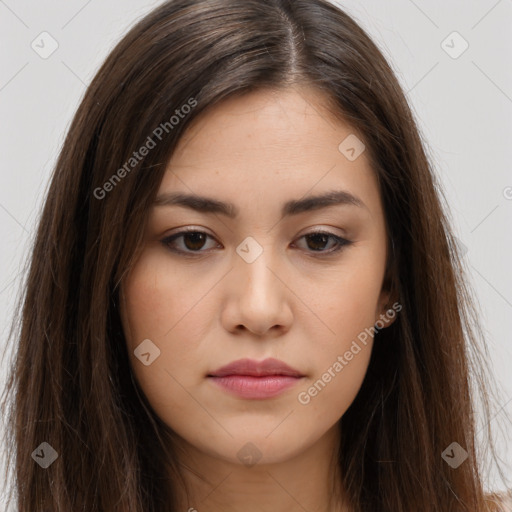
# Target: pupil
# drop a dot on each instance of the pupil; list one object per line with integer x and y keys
{"x": 324, "y": 239}
{"x": 197, "y": 238}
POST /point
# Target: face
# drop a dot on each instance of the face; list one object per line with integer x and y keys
{"x": 275, "y": 274}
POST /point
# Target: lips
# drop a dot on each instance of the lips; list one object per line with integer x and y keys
{"x": 253, "y": 368}
{"x": 250, "y": 379}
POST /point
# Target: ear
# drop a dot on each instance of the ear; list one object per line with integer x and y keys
{"x": 388, "y": 304}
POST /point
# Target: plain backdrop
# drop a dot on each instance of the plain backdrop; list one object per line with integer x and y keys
{"x": 458, "y": 85}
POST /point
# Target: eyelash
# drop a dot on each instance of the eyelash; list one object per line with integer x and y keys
{"x": 341, "y": 242}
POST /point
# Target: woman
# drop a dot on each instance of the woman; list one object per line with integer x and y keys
{"x": 244, "y": 292}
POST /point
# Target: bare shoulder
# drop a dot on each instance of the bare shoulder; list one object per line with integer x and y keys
{"x": 501, "y": 502}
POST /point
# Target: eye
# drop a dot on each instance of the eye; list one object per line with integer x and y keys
{"x": 193, "y": 241}
{"x": 317, "y": 241}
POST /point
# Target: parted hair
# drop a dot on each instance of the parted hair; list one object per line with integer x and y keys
{"x": 71, "y": 385}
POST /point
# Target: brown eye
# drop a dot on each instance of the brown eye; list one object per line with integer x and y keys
{"x": 192, "y": 242}
{"x": 319, "y": 240}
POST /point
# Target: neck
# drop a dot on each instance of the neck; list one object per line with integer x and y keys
{"x": 309, "y": 480}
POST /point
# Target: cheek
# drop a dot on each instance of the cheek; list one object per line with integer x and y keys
{"x": 152, "y": 310}
{"x": 158, "y": 304}
{"x": 347, "y": 305}
{"x": 161, "y": 302}
{"x": 339, "y": 375}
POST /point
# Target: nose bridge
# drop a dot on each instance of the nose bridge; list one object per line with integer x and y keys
{"x": 253, "y": 267}
{"x": 257, "y": 295}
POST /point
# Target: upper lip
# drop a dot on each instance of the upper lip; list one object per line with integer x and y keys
{"x": 255, "y": 368}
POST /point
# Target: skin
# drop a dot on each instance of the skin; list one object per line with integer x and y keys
{"x": 291, "y": 303}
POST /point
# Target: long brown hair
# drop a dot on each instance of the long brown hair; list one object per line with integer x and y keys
{"x": 71, "y": 385}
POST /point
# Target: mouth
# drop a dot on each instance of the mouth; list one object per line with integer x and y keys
{"x": 252, "y": 379}
{"x": 246, "y": 386}
{"x": 251, "y": 367}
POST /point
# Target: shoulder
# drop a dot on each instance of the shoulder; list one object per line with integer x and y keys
{"x": 501, "y": 502}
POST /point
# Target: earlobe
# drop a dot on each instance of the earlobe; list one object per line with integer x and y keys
{"x": 389, "y": 305}
{"x": 388, "y": 316}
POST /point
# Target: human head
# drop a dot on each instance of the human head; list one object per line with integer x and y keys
{"x": 254, "y": 288}
{"x": 200, "y": 54}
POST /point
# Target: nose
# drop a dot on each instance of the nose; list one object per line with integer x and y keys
{"x": 258, "y": 296}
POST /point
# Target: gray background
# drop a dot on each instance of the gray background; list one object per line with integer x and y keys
{"x": 463, "y": 106}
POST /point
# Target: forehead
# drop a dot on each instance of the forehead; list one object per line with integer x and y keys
{"x": 263, "y": 122}
{"x": 269, "y": 144}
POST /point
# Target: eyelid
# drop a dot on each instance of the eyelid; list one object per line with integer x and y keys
{"x": 341, "y": 241}
{"x": 183, "y": 231}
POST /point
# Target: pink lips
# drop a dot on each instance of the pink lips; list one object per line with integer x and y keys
{"x": 248, "y": 378}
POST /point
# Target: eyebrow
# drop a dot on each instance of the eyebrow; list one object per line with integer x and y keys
{"x": 209, "y": 205}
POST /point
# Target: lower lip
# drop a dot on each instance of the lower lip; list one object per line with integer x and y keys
{"x": 246, "y": 386}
